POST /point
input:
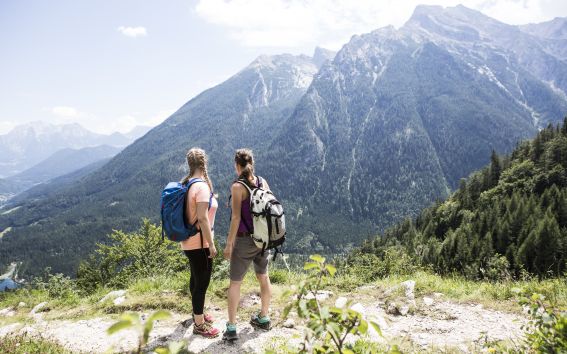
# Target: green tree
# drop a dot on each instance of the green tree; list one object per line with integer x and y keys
{"x": 495, "y": 169}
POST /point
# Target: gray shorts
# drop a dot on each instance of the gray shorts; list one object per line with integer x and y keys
{"x": 243, "y": 253}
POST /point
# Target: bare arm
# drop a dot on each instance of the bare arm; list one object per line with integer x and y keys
{"x": 205, "y": 225}
{"x": 237, "y": 191}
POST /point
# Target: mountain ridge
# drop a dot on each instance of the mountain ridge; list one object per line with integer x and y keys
{"x": 28, "y": 144}
{"x": 387, "y": 126}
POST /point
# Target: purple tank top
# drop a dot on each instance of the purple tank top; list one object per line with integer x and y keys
{"x": 245, "y": 215}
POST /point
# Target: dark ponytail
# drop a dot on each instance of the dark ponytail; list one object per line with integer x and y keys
{"x": 245, "y": 159}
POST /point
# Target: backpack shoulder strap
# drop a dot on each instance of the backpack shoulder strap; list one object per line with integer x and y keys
{"x": 192, "y": 181}
{"x": 260, "y": 182}
{"x": 245, "y": 185}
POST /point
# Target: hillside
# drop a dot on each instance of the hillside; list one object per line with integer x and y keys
{"x": 56, "y": 185}
{"x": 506, "y": 220}
{"x": 414, "y": 309}
{"x": 400, "y": 116}
{"x": 351, "y": 145}
{"x": 128, "y": 187}
{"x": 62, "y": 162}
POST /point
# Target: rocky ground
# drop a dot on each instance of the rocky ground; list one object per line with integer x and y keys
{"x": 428, "y": 322}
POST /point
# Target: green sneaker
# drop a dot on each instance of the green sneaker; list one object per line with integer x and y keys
{"x": 261, "y": 322}
{"x": 230, "y": 334}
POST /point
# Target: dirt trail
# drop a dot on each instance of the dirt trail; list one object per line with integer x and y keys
{"x": 439, "y": 324}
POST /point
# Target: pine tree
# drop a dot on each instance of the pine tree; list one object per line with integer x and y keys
{"x": 495, "y": 169}
{"x": 537, "y": 148}
{"x": 526, "y": 252}
{"x": 503, "y": 240}
{"x": 546, "y": 246}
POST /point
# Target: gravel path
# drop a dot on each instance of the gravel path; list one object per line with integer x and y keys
{"x": 440, "y": 324}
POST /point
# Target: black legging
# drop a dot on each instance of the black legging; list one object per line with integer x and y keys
{"x": 201, "y": 269}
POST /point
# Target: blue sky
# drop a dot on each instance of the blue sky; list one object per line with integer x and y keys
{"x": 111, "y": 65}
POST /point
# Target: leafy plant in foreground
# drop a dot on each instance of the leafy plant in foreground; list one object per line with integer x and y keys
{"x": 546, "y": 331}
{"x": 327, "y": 326}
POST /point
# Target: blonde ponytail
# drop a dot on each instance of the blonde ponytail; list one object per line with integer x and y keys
{"x": 197, "y": 160}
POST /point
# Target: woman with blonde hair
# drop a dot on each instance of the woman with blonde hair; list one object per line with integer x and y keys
{"x": 201, "y": 207}
{"x": 240, "y": 248}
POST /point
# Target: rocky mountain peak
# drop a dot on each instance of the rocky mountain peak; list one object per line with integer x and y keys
{"x": 275, "y": 77}
{"x": 321, "y": 55}
{"x": 554, "y": 29}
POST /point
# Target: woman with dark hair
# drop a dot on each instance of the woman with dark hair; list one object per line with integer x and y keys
{"x": 240, "y": 248}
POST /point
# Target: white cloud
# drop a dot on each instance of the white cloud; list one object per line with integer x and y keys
{"x": 65, "y": 112}
{"x": 133, "y": 31}
{"x": 330, "y": 23}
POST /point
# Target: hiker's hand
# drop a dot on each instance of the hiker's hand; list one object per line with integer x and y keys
{"x": 212, "y": 251}
{"x": 227, "y": 252}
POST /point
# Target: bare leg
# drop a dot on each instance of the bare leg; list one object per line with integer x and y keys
{"x": 265, "y": 293}
{"x": 199, "y": 319}
{"x": 233, "y": 300}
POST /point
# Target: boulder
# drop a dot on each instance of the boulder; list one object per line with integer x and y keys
{"x": 250, "y": 300}
{"x": 392, "y": 309}
{"x": 409, "y": 286}
{"x": 289, "y": 323}
{"x": 428, "y": 301}
{"x": 358, "y": 307}
{"x": 113, "y": 295}
{"x": 119, "y": 300}
{"x": 340, "y": 302}
{"x": 38, "y": 307}
{"x": 7, "y": 312}
{"x": 321, "y": 295}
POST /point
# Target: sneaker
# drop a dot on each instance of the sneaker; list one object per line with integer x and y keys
{"x": 230, "y": 333}
{"x": 260, "y": 322}
{"x": 208, "y": 318}
{"x": 205, "y": 330}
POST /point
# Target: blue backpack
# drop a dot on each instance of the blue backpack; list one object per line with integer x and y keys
{"x": 173, "y": 206}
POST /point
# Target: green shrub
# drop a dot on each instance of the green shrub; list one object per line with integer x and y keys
{"x": 57, "y": 286}
{"x": 370, "y": 266}
{"x": 497, "y": 269}
{"x": 130, "y": 256}
{"x": 546, "y": 331}
{"x": 326, "y": 326}
{"x": 279, "y": 276}
{"x": 137, "y": 255}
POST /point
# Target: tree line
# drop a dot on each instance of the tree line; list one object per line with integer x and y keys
{"x": 507, "y": 220}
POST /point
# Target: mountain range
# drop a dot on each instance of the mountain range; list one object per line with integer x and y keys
{"x": 352, "y": 141}
{"x": 62, "y": 162}
{"x": 400, "y": 116}
{"x": 30, "y": 143}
